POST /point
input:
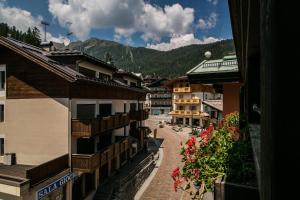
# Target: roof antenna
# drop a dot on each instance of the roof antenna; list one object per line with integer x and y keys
{"x": 45, "y": 24}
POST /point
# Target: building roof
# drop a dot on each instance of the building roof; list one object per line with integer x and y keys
{"x": 121, "y": 73}
{"x": 227, "y": 64}
{"x": 40, "y": 57}
{"x": 216, "y": 104}
{"x": 215, "y": 71}
{"x": 76, "y": 53}
{"x": 157, "y": 83}
{"x": 18, "y": 171}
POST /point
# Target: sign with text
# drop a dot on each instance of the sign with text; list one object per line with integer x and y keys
{"x": 55, "y": 185}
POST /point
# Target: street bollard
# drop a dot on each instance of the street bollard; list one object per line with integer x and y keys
{"x": 155, "y": 133}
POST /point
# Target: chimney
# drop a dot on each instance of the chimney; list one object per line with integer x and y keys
{"x": 47, "y": 46}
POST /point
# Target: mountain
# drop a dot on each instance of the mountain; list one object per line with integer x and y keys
{"x": 148, "y": 61}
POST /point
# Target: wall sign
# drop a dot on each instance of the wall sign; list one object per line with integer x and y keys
{"x": 54, "y": 185}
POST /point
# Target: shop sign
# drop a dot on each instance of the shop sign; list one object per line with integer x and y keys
{"x": 54, "y": 185}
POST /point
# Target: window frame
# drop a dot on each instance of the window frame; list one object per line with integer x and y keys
{"x": 3, "y": 69}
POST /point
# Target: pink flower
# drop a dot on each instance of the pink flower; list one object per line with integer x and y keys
{"x": 196, "y": 173}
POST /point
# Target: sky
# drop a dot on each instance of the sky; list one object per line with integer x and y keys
{"x": 156, "y": 24}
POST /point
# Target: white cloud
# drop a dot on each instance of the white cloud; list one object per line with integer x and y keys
{"x": 209, "y": 22}
{"x": 23, "y": 19}
{"x": 125, "y": 18}
{"x": 180, "y": 41}
{"x": 214, "y": 2}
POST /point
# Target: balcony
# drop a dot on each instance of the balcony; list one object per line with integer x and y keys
{"x": 187, "y": 101}
{"x": 139, "y": 115}
{"x": 121, "y": 119}
{"x": 182, "y": 90}
{"x": 48, "y": 169}
{"x": 91, "y": 127}
{"x": 188, "y": 113}
{"x": 85, "y": 162}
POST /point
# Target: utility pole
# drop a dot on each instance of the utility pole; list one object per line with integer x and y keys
{"x": 45, "y": 24}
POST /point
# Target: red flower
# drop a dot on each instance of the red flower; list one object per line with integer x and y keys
{"x": 191, "y": 141}
{"x": 177, "y": 183}
{"x": 175, "y": 173}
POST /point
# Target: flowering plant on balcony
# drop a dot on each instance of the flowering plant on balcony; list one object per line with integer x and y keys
{"x": 209, "y": 155}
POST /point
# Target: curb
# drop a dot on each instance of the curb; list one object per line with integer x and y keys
{"x": 147, "y": 182}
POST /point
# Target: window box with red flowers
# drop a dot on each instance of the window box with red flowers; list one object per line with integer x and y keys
{"x": 214, "y": 153}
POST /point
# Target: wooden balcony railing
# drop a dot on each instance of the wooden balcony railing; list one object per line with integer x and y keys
{"x": 187, "y": 101}
{"x": 91, "y": 127}
{"x": 121, "y": 120}
{"x": 104, "y": 157}
{"x": 48, "y": 169}
{"x": 139, "y": 115}
{"x": 85, "y": 162}
{"x": 85, "y": 128}
{"x": 181, "y": 89}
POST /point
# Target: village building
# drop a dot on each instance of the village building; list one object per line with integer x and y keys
{"x": 187, "y": 106}
{"x": 66, "y": 122}
{"x": 160, "y": 97}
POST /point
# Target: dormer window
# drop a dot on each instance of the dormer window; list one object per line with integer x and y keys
{"x": 87, "y": 72}
{"x": 104, "y": 76}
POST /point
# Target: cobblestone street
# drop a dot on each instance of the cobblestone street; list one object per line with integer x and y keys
{"x": 161, "y": 187}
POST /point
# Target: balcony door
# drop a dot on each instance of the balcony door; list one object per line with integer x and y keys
{"x": 85, "y": 146}
{"x": 132, "y": 106}
{"x": 86, "y": 111}
{"x": 105, "y": 110}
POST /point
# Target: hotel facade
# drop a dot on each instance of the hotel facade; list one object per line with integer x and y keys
{"x": 68, "y": 121}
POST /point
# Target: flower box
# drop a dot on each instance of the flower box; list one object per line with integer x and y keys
{"x": 226, "y": 190}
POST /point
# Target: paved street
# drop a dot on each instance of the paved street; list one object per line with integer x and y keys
{"x": 161, "y": 187}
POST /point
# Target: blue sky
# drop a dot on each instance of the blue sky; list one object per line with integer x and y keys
{"x": 158, "y": 24}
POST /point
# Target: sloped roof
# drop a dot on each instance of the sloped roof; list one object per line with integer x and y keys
{"x": 65, "y": 53}
{"x": 39, "y": 56}
{"x": 227, "y": 64}
{"x": 216, "y": 104}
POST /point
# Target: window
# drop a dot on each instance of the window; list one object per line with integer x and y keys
{"x": 180, "y": 96}
{"x": 105, "y": 109}
{"x": 132, "y": 106}
{"x": 181, "y": 107}
{"x": 85, "y": 111}
{"x": 104, "y": 76}
{"x": 193, "y": 96}
{"x": 193, "y": 107}
{"x": 2, "y": 80}
{"x": 1, "y": 113}
{"x": 87, "y": 72}
{"x": 133, "y": 84}
{"x": 1, "y": 146}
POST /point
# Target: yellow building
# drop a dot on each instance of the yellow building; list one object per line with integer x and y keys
{"x": 187, "y": 108}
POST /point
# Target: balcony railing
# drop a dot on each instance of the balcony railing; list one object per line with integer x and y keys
{"x": 139, "y": 115}
{"x": 187, "y": 101}
{"x": 91, "y": 127}
{"x": 188, "y": 113}
{"x": 48, "y": 169}
{"x": 182, "y": 89}
{"x": 85, "y": 162}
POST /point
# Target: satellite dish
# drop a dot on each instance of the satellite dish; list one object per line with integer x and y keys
{"x": 207, "y": 54}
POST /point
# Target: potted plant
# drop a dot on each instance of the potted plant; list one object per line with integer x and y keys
{"x": 214, "y": 153}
